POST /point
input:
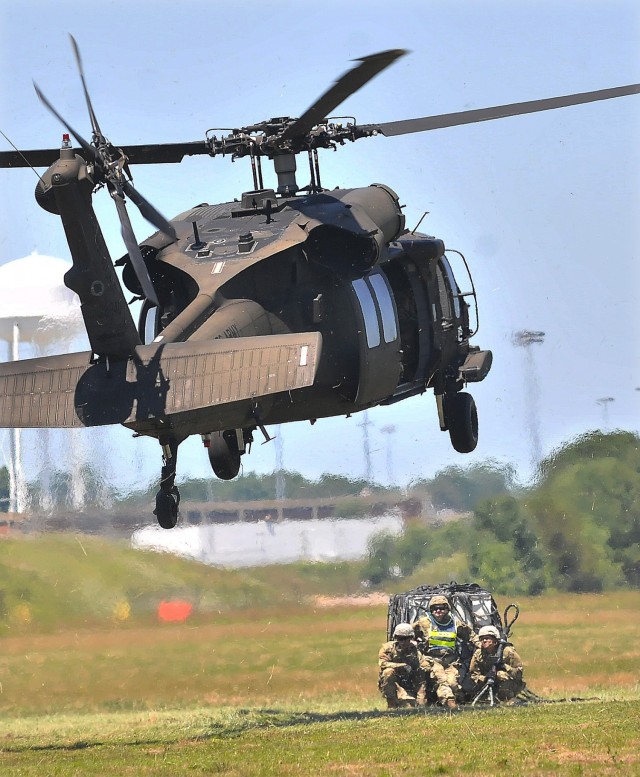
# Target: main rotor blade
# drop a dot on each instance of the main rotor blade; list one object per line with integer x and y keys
{"x": 164, "y": 153}
{"x": 147, "y": 154}
{"x": 133, "y": 248}
{"x": 94, "y": 121}
{"x": 407, "y": 126}
{"x": 33, "y": 158}
{"x": 152, "y": 215}
{"x": 345, "y": 86}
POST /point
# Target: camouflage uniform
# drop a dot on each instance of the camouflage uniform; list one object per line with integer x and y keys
{"x": 401, "y": 678}
{"x": 509, "y": 680}
{"x": 439, "y": 660}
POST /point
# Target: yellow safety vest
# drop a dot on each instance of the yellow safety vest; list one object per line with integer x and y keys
{"x": 442, "y": 637}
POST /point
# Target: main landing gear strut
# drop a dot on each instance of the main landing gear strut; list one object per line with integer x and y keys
{"x": 168, "y": 498}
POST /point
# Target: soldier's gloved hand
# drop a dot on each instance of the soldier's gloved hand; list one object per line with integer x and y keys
{"x": 502, "y": 675}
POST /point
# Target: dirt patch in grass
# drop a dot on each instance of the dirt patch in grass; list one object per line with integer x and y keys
{"x": 563, "y": 755}
{"x": 365, "y": 600}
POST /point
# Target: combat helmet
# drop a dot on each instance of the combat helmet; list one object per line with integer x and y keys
{"x": 489, "y": 631}
{"x": 403, "y": 630}
{"x": 438, "y": 599}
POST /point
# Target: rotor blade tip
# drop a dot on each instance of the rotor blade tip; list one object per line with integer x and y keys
{"x": 390, "y": 54}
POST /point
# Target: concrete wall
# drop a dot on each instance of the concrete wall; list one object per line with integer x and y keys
{"x": 242, "y": 544}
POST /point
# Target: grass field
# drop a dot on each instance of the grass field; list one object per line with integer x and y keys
{"x": 291, "y": 690}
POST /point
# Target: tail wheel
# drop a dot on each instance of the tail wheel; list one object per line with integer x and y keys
{"x": 462, "y": 420}
{"x": 167, "y": 508}
{"x": 224, "y": 454}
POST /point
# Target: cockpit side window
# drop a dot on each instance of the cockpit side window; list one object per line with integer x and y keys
{"x": 387, "y": 311}
{"x": 452, "y": 285}
{"x": 368, "y": 308}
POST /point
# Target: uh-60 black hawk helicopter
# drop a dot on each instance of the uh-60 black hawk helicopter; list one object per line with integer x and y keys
{"x": 286, "y": 305}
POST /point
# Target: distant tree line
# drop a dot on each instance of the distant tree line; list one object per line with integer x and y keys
{"x": 253, "y": 487}
{"x": 577, "y": 528}
{"x": 248, "y": 487}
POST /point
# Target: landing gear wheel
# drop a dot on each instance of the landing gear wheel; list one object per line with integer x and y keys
{"x": 167, "y": 508}
{"x": 224, "y": 454}
{"x": 462, "y": 419}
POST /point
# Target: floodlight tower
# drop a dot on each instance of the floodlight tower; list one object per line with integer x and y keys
{"x": 526, "y": 339}
{"x": 39, "y": 310}
{"x": 389, "y": 430}
{"x": 604, "y": 402}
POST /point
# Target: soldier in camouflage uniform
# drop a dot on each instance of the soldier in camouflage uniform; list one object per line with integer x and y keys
{"x": 440, "y": 637}
{"x": 401, "y": 677}
{"x": 508, "y": 682}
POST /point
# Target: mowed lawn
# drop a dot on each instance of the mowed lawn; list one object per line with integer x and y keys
{"x": 293, "y": 691}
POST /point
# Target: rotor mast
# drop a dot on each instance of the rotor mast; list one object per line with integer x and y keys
{"x": 285, "y": 167}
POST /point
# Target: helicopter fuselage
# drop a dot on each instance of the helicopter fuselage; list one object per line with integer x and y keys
{"x": 392, "y": 319}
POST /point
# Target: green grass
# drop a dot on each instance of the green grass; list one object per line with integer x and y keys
{"x": 563, "y": 739}
{"x": 284, "y": 688}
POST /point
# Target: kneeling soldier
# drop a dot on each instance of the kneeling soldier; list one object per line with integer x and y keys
{"x": 401, "y": 677}
{"x": 505, "y": 671}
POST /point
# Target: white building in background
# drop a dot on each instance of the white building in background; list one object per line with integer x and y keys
{"x": 39, "y": 315}
{"x": 245, "y": 544}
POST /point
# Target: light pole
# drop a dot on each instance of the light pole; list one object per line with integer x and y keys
{"x": 365, "y": 424}
{"x": 526, "y": 338}
{"x": 604, "y": 402}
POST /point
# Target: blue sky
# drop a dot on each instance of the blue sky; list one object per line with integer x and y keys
{"x": 544, "y": 207}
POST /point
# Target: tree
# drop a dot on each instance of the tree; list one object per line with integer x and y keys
{"x": 461, "y": 489}
{"x": 381, "y": 558}
{"x": 590, "y": 446}
{"x": 587, "y": 510}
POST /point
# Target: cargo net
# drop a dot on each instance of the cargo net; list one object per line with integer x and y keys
{"x": 469, "y": 602}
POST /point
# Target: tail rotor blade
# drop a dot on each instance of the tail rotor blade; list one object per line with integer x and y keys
{"x": 94, "y": 121}
{"x": 152, "y": 215}
{"x": 102, "y": 161}
{"x": 90, "y": 150}
{"x": 133, "y": 249}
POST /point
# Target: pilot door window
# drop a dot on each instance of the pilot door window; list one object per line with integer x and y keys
{"x": 376, "y": 305}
